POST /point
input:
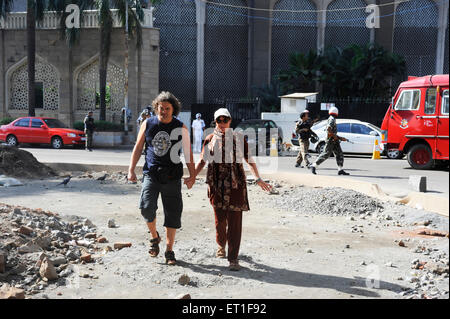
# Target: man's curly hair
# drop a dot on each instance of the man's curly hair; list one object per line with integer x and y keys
{"x": 167, "y": 97}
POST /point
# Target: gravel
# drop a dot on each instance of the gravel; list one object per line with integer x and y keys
{"x": 351, "y": 204}
{"x": 325, "y": 201}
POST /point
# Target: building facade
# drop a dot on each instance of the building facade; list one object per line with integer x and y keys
{"x": 67, "y": 80}
{"x": 221, "y": 49}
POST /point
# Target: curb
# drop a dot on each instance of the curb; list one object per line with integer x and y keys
{"x": 430, "y": 202}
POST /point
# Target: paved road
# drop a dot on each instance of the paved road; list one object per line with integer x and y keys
{"x": 391, "y": 175}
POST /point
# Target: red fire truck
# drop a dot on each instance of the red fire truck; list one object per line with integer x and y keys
{"x": 416, "y": 123}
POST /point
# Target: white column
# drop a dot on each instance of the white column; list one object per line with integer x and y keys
{"x": 321, "y": 23}
{"x": 442, "y": 26}
{"x": 201, "y": 20}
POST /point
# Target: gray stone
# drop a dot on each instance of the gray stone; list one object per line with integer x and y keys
{"x": 29, "y": 248}
{"x": 418, "y": 183}
{"x": 184, "y": 280}
{"x": 59, "y": 261}
{"x": 111, "y": 223}
{"x": 73, "y": 254}
{"x": 47, "y": 270}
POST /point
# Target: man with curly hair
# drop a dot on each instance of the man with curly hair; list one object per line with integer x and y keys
{"x": 163, "y": 170}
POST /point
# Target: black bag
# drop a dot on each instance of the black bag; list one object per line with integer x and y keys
{"x": 166, "y": 174}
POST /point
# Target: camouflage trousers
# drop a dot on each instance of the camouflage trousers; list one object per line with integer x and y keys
{"x": 303, "y": 154}
{"x": 89, "y": 134}
{"x": 331, "y": 147}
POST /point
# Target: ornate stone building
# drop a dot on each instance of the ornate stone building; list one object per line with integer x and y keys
{"x": 67, "y": 81}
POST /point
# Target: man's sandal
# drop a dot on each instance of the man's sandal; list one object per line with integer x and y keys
{"x": 154, "y": 247}
{"x": 170, "y": 258}
{"x": 234, "y": 265}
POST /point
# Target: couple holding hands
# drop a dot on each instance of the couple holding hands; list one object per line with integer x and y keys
{"x": 224, "y": 151}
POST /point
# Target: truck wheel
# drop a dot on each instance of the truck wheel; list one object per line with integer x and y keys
{"x": 420, "y": 157}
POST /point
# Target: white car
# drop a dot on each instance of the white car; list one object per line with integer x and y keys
{"x": 362, "y": 136}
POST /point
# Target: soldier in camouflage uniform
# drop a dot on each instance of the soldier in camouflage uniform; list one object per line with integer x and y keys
{"x": 303, "y": 130}
{"x": 333, "y": 145}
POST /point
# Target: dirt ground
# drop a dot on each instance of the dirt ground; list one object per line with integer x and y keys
{"x": 283, "y": 254}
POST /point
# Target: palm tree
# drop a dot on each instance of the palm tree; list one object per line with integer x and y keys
{"x": 106, "y": 26}
{"x": 70, "y": 35}
{"x": 35, "y": 12}
{"x": 5, "y": 7}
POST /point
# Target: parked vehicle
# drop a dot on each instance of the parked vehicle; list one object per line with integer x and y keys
{"x": 362, "y": 136}
{"x": 257, "y": 126}
{"x": 416, "y": 123}
{"x": 40, "y": 130}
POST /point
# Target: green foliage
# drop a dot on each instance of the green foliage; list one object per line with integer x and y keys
{"x": 359, "y": 71}
{"x": 353, "y": 72}
{"x": 302, "y": 73}
{"x": 269, "y": 96}
{"x": 6, "y": 120}
{"x": 103, "y": 126}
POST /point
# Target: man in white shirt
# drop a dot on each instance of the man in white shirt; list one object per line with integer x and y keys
{"x": 197, "y": 128}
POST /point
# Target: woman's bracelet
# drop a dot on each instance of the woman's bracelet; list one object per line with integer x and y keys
{"x": 258, "y": 180}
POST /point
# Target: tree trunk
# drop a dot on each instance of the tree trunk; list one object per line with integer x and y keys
{"x": 102, "y": 77}
{"x": 102, "y": 68}
{"x": 31, "y": 55}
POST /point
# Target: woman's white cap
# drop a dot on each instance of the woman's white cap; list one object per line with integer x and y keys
{"x": 222, "y": 112}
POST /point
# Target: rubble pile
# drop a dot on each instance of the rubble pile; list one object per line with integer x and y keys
{"x": 38, "y": 248}
{"x": 15, "y": 162}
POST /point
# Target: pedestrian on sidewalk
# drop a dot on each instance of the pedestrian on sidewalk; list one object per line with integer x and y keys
{"x": 163, "y": 170}
{"x": 198, "y": 125}
{"x": 89, "y": 128}
{"x": 304, "y": 132}
{"x": 224, "y": 151}
{"x": 333, "y": 144}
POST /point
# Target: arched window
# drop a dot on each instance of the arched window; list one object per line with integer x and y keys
{"x": 415, "y": 35}
{"x": 178, "y": 48}
{"x": 226, "y": 50}
{"x": 47, "y": 86}
{"x": 346, "y": 27}
{"x": 88, "y": 88}
{"x": 292, "y": 31}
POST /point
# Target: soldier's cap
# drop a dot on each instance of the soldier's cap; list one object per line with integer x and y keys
{"x": 304, "y": 112}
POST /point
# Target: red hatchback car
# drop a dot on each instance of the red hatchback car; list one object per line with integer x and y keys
{"x": 40, "y": 130}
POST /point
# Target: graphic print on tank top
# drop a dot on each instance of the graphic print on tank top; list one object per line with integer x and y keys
{"x": 161, "y": 143}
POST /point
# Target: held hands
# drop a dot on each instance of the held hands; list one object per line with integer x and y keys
{"x": 190, "y": 181}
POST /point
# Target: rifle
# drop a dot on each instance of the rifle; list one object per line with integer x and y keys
{"x": 347, "y": 140}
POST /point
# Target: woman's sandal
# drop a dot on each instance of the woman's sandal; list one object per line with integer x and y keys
{"x": 221, "y": 253}
{"x": 154, "y": 247}
{"x": 170, "y": 258}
